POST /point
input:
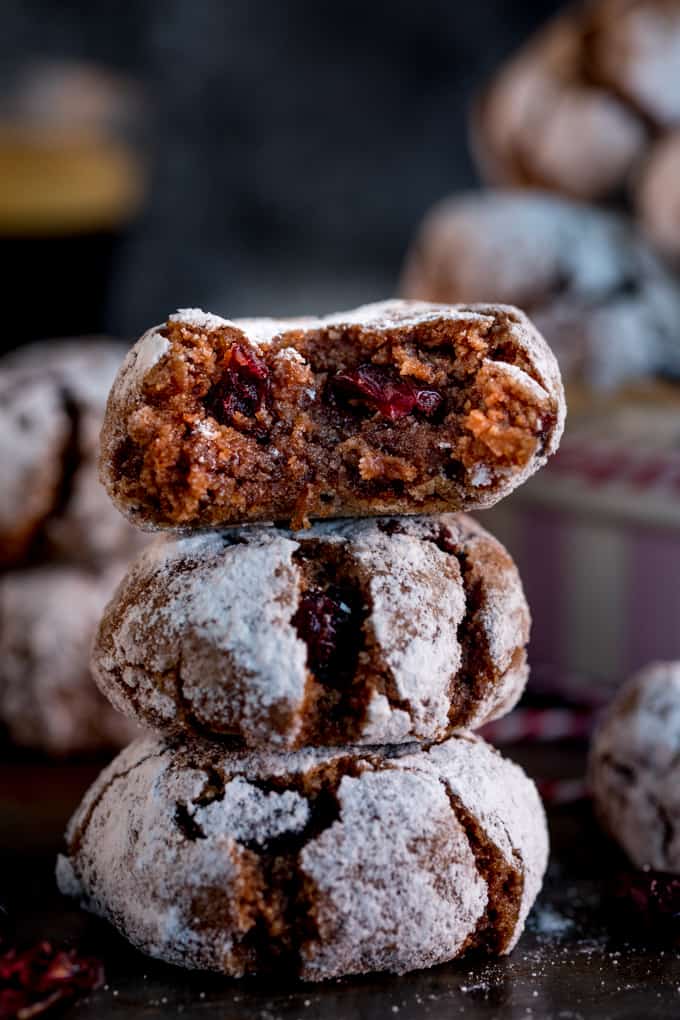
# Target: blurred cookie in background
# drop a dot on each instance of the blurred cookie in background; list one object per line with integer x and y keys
{"x": 542, "y": 124}
{"x": 658, "y": 197}
{"x": 606, "y": 304}
{"x": 576, "y": 108}
{"x": 52, "y": 506}
{"x": 635, "y": 768}
{"x": 63, "y": 546}
{"x": 632, "y": 47}
{"x": 48, "y": 701}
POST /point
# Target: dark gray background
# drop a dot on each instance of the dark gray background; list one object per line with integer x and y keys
{"x": 294, "y": 145}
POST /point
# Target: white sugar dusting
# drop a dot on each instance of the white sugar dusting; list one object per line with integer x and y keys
{"x": 395, "y": 883}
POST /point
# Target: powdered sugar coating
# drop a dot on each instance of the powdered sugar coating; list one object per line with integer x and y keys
{"x": 534, "y": 379}
{"x": 607, "y": 306}
{"x": 48, "y": 700}
{"x": 379, "y": 873}
{"x": 635, "y": 768}
{"x": 201, "y": 634}
{"x": 52, "y": 399}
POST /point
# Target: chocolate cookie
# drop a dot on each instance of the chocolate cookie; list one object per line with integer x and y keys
{"x": 48, "y": 700}
{"x": 397, "y": 407}
{"x": 635, "y": 768}
{"x": 52, "y": 399}
{"x": 372, "y": 631}
{"x": 545, "y": 122}
{"x": 605, "y": 303}
{"x": 632, "y": 47}
{"x": 658, "y": 197}
{"x": 316, "y": 862}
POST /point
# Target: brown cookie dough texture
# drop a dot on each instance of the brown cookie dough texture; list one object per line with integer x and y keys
{"x": 320, "y": 862}
{"x": 424, "y": 626}
{"x": 635, "y": 768}
{"x": 658, "y": 197}
{"x": 52, "y": 400}
{"x": 48, "y": 700}
{"x": 398, "y": 407}
{"x": 575, "y": 109}
{"x": 605, "y": 303}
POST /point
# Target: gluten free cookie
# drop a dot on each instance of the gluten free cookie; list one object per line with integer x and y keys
{"x": 52, "y": 506}
{"x": 48, "y": 699}
{"x": 382, "y": 630}
{"x": 317, "y": 862}
{"x": 635, "y": 768}
{"x": 399, "y": 407}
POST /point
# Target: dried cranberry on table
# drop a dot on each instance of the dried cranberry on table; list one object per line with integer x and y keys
{"x": 35, "y": 979}
{"x": 650, "y": 899}
{"x": 385, "y": 391}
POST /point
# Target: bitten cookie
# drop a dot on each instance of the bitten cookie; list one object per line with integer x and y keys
{"x": 48, "y": 700}
{"x": 635, "y": 768}
{"x": 603, "y": 300}
{"x": 398, "y": 407}
{"x": 359, "y": 631}
{"x": 319, "y": 862}
{"x": 52, "y": 399}
{"x": 658, "y": 197}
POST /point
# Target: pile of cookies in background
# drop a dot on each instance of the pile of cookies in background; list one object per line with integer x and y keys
{"x": 62, "y": 546}
{"x": 314, "y": 800}
{"x": 578, "y": 138}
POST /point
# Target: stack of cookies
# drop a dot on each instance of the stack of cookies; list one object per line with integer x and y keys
{"x": 312, "y": 797}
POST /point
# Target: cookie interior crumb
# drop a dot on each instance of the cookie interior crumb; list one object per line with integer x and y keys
{"x": 329, "y": 419}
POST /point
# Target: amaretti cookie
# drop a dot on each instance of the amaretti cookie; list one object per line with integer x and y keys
{"x": 547, "y": 121}
{"x": 382, "y": 630}
{"x": 576, "y": 108}
{"x": 635, "y": 768}
{"x": 52, "y": 400}
{"x": 48, "y": 699}
{"x": 317, "y": 862}
{"x": 606, "y": 304}
{"x": 398, "y": 407}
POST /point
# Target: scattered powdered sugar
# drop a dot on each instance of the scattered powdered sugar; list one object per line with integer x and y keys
{"x": 546, "y": 920}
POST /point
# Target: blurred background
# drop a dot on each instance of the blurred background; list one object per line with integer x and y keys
{"x": 291, "y": 158}
{"x": 281, "y": 154}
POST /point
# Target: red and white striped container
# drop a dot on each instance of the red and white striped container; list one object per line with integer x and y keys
{"x": 596, "y": 536}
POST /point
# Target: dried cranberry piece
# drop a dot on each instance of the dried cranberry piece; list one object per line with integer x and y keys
{"x": 323, "y": 620}
{"x": 243, "y": 388}
{"x": 35, "y": 979}
{"x": 650, "y": 898}
{"x": 383, "y": 389}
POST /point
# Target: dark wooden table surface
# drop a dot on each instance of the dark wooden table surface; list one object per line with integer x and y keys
{"x": 574, "y": 961}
